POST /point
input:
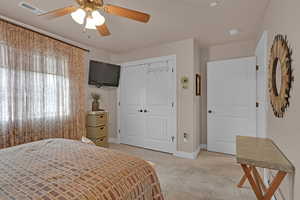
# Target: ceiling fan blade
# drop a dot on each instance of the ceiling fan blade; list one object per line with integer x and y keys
{"x": 59, "y": 12}
{"x": 103, "y": 30}
{"x": 124, "y": 12}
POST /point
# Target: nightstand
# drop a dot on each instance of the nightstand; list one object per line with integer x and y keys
{"x": 97, "y": 128}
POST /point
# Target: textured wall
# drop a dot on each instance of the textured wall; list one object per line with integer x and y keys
{"x": 283, "y": 17}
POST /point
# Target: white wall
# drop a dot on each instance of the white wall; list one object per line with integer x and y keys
{"x": 184, "y": 51}
{"x": 232, "y": 50}
{"x": 197, "y": 99}
{"x": 108, "y": 95}
{"x": 283, "y": 17}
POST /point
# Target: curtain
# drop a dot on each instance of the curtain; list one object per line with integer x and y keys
{"x": 42, "y": 87}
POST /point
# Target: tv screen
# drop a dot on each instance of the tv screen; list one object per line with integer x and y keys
{"x": 104, "y": 74}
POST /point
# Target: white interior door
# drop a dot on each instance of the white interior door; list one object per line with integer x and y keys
{"x": 231, "y": 102}
{"x": 132, "y": 101}
{"x": 148, "y": 105}
{"x": 159, "y": 107}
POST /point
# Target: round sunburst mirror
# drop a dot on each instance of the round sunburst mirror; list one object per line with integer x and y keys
{"x": 280, "y": 75}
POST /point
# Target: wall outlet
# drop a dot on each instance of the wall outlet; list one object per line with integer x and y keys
{"x": 185, "y": 82}
{"x": 185, "y": 137}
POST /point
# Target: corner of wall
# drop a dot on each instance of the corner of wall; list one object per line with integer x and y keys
{"x": 204, "y": 57}
{"x": 108, "y": 95}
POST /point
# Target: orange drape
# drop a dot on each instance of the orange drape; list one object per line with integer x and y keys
{"x": 42, "y": 87}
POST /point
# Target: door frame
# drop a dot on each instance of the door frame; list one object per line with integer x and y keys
{"x": 261, "y": 53}
{"x": 172, "y": 59}
{"x": 208, "y": 108}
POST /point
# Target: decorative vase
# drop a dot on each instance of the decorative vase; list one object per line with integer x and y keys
{"x": 95, "y": 105}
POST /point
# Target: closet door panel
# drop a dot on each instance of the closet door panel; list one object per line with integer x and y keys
{"x": 132, "y": 101}
{"x": 158, "y": 104}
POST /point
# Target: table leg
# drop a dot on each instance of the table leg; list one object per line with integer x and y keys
{"x": 257, "y": 184}
{"x": 253, "y": 184}
{"x": 259, "y": 179}
{"x": 274, "y": 185}
{"x": 256, "y": 174}
{"x": 242, "y": 181}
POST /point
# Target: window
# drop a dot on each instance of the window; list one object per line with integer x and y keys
{"x": 36, "y": 94}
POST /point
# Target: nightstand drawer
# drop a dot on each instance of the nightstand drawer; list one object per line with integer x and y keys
{"x": 96, "y": 120}
{"x": 101, "y": 142}
{"x": 96, "y": 132}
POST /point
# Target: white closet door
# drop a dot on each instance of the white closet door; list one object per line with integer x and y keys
{"x": 148, "y": 106}
{"x": 231, "y": 102}
{"x": 132, "y": 101}
{"x": 159, "y": 107}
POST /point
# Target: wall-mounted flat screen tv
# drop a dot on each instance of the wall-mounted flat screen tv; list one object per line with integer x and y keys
{"x": 104, "y": 74}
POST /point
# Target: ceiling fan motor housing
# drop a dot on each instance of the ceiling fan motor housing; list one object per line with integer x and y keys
{"x": 90, "y": 5}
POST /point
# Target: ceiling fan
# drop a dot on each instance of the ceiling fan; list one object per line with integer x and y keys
{"x": 87, "y": 14}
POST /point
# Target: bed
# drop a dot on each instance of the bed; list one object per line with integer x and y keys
{"x": 61, "y": 169}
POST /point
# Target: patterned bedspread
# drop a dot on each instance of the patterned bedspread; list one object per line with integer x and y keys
{"x": 60, "y": 169}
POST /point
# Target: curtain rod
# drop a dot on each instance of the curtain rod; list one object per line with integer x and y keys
{"x": 43, "y": 34}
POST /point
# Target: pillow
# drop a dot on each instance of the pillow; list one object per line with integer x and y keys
{"x": 87, "y": 141}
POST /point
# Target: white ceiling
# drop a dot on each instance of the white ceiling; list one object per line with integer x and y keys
{"x": 171, "y": 20}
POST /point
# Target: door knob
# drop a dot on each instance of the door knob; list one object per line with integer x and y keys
{"x": 209, "y": 111}
{"x": 145, "y": 111}
{"x": 140, "y": 110}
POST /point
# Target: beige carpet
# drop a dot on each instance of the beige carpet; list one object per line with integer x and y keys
{"x": 211, "y": 177}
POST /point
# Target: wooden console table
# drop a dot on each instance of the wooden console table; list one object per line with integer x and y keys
{"x": 263, "y": 153}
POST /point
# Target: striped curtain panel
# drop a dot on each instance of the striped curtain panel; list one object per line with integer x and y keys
{"x": 42, "y": 87}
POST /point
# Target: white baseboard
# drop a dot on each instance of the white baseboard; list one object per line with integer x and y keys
{"x": 192, "y": 155}
{"x": 183, "y": 154}
{"x": 114, "y": 140}
{"x": 196, "y": 153}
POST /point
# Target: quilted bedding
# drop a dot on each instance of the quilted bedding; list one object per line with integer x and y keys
{"x": 60, "y": 169}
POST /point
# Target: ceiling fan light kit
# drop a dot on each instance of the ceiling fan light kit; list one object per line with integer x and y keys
{"x": 88, "y": 14}
{"x": 94, "y": 20}
{"x": 78, "y": 16}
